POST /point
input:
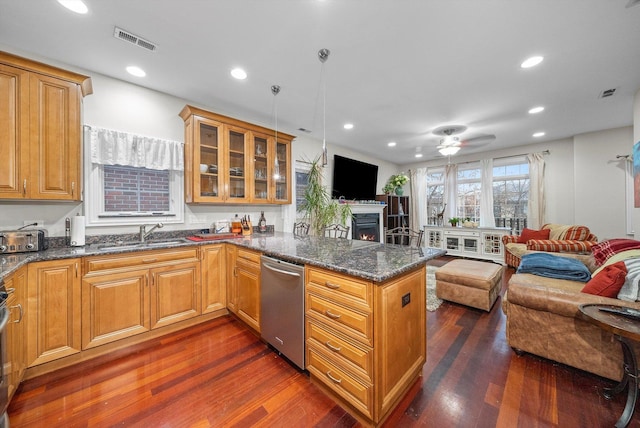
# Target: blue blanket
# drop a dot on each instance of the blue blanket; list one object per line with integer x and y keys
{"x": 551, "y": 266}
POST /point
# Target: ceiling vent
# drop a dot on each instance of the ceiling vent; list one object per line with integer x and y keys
{"x": 607, "y": 93}
{"x": 121, "y": 34}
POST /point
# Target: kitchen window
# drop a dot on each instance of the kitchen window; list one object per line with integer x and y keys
{"x": 132, "y": 179}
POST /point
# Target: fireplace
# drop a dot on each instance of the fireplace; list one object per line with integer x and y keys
{"x": 366, "y": 226}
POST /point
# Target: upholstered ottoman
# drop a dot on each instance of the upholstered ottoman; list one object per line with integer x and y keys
{"x": 469, "y": 282}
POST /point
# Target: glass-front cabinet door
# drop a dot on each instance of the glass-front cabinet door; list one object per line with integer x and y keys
{"x": 237, "y": 170}
{"x": 261, "y": 167}
{"x": 209, "y": 186}
{"x": 281, "y": 173}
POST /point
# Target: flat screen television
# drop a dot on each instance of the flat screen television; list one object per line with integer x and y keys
{"x": 354, "y": 179}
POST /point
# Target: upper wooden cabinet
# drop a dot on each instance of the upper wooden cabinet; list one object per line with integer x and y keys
{"x": 231, "y": 161}
{"x": 40, "y": 109}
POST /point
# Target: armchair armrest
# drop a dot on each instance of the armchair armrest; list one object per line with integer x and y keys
{"x": 560, "y": 246}
{"x": 509, "y": 239}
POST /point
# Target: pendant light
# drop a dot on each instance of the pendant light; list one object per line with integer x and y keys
{"x": 275, "y": 90}
{"x": 323, "y": 55}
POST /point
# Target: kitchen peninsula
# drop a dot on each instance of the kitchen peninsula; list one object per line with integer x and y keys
{"x": 365, "y": 306}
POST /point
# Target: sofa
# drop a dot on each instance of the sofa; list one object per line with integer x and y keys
{"x": 542, "y": 318}
{"x": 551, "y": 237}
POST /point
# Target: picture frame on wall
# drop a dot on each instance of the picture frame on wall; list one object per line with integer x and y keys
{"x": 636, "y": 175}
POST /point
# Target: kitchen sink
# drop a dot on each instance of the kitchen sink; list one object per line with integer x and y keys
{"x": 118, "y": 245}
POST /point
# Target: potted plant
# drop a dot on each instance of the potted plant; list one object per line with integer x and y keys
{"x": 317, "y": 207}
{"x": 397, "y": 181}
{"x": 454, "y": 221}
{"x": 388, "y": 188}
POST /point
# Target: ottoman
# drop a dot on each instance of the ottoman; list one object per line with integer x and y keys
{"x": 468, "y": 282}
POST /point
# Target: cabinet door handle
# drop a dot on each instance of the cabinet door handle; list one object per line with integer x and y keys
{"x": 332, "y": 315}
{"x": 331, "y": 285}
{"x": 24, "y": 187}
{"x": 333, "y": 348}
{"x": 335, "y": 380}
{"x": 19, "y": 306}
{"x": 73, "y": 188}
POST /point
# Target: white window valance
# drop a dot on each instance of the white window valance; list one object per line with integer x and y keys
{"x": 110, "y": 147}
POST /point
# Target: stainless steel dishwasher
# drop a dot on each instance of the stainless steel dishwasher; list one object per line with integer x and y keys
{"x": 282, "y": 308}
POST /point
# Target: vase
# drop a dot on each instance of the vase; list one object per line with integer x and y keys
{"x": 399, "y": 191}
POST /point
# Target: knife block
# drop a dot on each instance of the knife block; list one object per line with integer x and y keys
{"x": 249, "y": 229}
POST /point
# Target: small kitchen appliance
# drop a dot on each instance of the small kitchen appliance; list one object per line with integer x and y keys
{"x": 22, "y": 241}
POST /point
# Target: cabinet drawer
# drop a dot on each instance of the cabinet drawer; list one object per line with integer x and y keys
{"x": 117, "y": 261}
{"x": 252, "y": 256}
{"x": 343, "y": 288}
{"x": 357, "y": 393}
{"x": 359, "y": 359}
{"x": 352, "y": 323}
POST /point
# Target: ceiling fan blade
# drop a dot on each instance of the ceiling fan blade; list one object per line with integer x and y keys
{"x": 481, "y": 139}
{"x": 632, "y": 3}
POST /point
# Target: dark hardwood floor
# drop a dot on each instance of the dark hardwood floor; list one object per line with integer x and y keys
{"x": 220, "y": 374}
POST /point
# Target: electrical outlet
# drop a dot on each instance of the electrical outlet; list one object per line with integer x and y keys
{"x": 406, "y": 299}
{"x": 38, "y": 223}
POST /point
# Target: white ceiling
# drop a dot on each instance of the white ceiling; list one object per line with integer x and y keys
{"x": 398, "y": 69}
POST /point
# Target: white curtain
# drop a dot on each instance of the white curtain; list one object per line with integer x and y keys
{"x": 487, "y": 218}
{"x": 418, "y": 190}
{"x": 450, "y": 191}
{"x": 110, "y": 147}
{"x": 536, "y": 204}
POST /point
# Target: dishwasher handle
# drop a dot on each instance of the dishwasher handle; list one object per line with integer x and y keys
{"x": 283, "y": 272}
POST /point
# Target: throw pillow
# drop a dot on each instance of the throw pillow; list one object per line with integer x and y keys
{"x": 608, "y": 282}
{"x": 532, "y": 234}
{"x": 605, "y": 249}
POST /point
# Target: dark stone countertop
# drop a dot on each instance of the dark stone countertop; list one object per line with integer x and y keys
{"x": 364, "y": 259}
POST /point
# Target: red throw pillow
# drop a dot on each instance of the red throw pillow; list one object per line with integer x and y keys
{"x": 608, "y": 281}
{"x": 533, "y": 234}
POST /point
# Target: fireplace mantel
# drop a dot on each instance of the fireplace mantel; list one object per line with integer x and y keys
{"x": 367, "y": 209}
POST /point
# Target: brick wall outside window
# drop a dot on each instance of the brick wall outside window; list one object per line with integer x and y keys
{"x": 131, "y": 189}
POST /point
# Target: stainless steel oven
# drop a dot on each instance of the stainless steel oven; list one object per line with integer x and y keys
{"x": 4, "y": 374}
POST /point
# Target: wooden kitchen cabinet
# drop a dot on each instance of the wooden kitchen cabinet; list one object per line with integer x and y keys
{"x": 127, "y": 294}
{"x": 214, "y": 277}
{"x": 246, "y": 287}
{"x": 241, "y": 162}
{"x": 53, "y": 310}
{"x": 16, "y": 356}
{"x": 40, "y": 157}
{"x": 365, "y": 342}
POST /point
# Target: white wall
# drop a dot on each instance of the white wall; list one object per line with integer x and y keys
{"x": 119, "y": 105}
{"x": 600, "y": 181}
{"x": 636, "y": 138}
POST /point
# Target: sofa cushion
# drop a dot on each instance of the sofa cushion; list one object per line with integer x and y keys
{"x": 605, "y": 249}
{"x": 608, "y": 282}
{"x": 568, "y": 232}
{"x": 527, "y": 234}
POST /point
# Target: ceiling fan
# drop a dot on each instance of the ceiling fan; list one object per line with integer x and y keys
{"x": 451, "y": 143}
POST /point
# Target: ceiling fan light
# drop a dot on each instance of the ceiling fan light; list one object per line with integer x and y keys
{"x": 448, "y": 151}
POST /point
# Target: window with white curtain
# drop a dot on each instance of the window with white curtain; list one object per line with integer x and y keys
{"x": 132, "y": 179}
{"x": 469, "y": 191}
{"x": 511, "y": 192}
{"x": 435, "y": 193}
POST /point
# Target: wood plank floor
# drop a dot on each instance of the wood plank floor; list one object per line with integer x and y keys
{"x": 220, "y": 374}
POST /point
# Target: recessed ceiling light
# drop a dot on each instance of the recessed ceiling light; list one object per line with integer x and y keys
{"x": 538, "y": 134}
{"x": 239, "y": 73}
{"x": 418, "y": 155}
{"x": 76, "y": 6}
{"x": 531, "y": 62}
{"x": 136, "y": 71}
{"x": 536, "y": 110}
{"x": 391, "y": 144}
{"x": 348, "y": 126}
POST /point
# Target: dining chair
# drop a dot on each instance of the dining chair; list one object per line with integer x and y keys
{"x": 301, "y": 228}
{"x": 404, "y": 236}
{"x": 336, "y": 231}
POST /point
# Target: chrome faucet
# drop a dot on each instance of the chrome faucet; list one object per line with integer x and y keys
{"x": 144, "y": 233}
